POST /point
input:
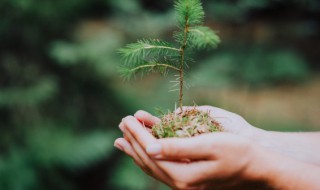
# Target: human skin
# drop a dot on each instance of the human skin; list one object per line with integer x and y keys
{"x": 292, "y": 144}
{"x": 221, "y": 160}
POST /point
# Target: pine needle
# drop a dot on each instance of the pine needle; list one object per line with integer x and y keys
{"x": 202, "y": 37}
{"x": 153, "y": 55}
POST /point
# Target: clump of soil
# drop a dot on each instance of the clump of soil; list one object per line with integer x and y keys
{"x": 188, "y": 123}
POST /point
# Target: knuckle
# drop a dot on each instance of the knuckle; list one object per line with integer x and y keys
{"x": 169, "y": 151}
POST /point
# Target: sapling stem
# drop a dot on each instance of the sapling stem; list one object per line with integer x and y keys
{"x": 154, "y": 55}
{"x": 182, "y": 52}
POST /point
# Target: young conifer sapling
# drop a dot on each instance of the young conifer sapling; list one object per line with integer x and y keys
{"x": 154, "y": 55}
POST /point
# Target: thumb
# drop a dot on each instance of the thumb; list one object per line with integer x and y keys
{"x": 193, "y": 148}
{"x": 146, "y": 118}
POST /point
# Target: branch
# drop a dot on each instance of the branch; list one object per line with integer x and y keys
{"x": 154, "y": 65}
{"x": 148, "y": 46}
{"x": 137, "y": 53}
{"x": 203, "y": 37}
{"x": 127, "y": 73}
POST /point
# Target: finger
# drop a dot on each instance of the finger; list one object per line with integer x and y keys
{"x": 133, "y": 126}
{"x": 193, "y": 148}
{"x": 125, "y": 146}
{"x": 121, "y": 127}
{"x": 146, "y": 118}
{"x": 150, "y": 166}
{"x": 215, "y": 111}
{"x": 225, "y": 118}
{"x": 230, "y": 122}
{"x": 191, "y": 174}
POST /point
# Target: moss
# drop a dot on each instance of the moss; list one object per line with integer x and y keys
{"x": 188, "y": 123}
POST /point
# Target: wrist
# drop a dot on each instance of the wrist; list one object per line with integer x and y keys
{"x": 250, "y": 170}
{"x": 260, "y": 165}
{"x": 280, "y": 172}
{"x": 256, "y": 135}
{"x": 269, "y": 168}
{"x": 262, "y": 138}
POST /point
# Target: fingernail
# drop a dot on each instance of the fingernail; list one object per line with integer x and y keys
{"x": 121, "y": 127}
{"x": 154, "y": 149}
{"x": 118, "y": 146}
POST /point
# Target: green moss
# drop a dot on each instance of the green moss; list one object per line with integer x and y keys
{"x": 186, "y": 124}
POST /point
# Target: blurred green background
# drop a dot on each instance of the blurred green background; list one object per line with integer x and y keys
{"x": 61, "y": 98}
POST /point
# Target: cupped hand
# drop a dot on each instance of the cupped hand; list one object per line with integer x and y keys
{"x": 213, "y": 161}
{"x": 231, "y": 122}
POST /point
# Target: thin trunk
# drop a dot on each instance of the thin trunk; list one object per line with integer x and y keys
{"x": 181, "y": 80}
{"x": 181, "y": 72}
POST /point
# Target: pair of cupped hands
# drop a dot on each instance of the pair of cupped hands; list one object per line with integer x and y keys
{"x": 220, "y": 160}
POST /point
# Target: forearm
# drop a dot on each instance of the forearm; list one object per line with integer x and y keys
{"x": 284, "y": 173}
{"x": 304, "y": 147}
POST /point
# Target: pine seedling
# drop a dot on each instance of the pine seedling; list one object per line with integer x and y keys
{"x": 154, "y": 55}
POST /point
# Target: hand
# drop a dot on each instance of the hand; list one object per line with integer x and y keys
{"x": 230, "y": 163}
{"x": 218, "y": 160}
{"x": 288, "y": 144}
{"x": 231, "y": 122}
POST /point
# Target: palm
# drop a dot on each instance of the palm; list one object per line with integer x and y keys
{"x": 231, "y": 122}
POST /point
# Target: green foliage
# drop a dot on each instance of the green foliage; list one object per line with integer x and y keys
{"x": 189, "y": 13}
{"x": 131, "y": 174}
{"x": 202, "y": 37}
{"x": 259, "y": 67}
{"x": 154, "y": 55}
{"x": 51, "y": 147}
{"x": 135, "y": 53}
{"x": 48, "y": 148}
{"x": 234, "y": 11}
{"x": 239, "y": 10}
{"x": 16, "y": 173}
{"x": 57, "y": 115}
{"x": 126, "y": 6}
{"x": 149, "y": 56}
{"x": 276, "y": 67}
{"x": 61, "y": 98}
{"x": 32, "y": 95}
{"x": 96, "y": 53}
